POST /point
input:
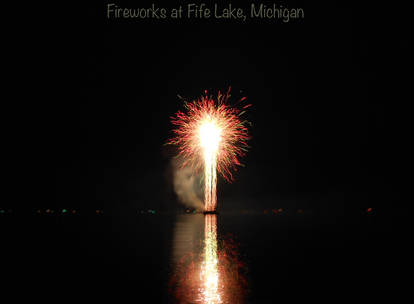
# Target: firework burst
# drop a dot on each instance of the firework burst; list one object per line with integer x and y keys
{"x": 210, "y": 134}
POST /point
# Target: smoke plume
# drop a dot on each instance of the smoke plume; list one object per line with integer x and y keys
{"x": 187, "y": 185}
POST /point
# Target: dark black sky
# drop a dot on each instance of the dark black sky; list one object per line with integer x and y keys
{"x": 328, "y": 96}
{"x": 92, "y": 103}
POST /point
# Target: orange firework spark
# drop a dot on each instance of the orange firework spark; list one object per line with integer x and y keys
{"x": 211, "y": 134}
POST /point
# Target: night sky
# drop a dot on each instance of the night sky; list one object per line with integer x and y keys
{"x": 328, "y": 94}
{"x": 330, "y": 126}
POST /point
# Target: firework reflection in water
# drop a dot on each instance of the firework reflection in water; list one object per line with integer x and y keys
{"x": 209, "y": 293}
{"x": 211, "y": 272}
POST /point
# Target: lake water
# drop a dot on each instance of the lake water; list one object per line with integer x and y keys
{"x": 192, "y": 258}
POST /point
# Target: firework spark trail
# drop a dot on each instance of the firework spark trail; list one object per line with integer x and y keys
{"x": 210, "y": 184}
{"x": 211, "y": 134}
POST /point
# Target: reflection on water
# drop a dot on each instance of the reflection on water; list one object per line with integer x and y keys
{"x": 209, "y": 294}
{"x": 207, "y": 269}
{"x": 188, "y": 236}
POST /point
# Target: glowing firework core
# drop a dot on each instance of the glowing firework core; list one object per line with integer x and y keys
{"x": 211, "y": 134}
{"x": 209, "y": 140}
{"x": 210, "y": 137}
